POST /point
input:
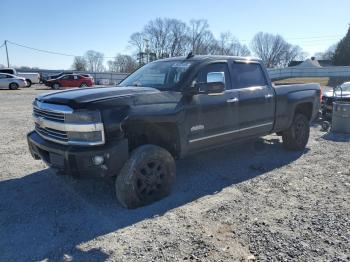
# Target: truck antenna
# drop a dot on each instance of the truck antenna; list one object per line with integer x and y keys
{"x": 190, "y": 54}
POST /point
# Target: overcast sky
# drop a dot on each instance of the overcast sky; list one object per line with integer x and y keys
{"x": 74, "y": 27}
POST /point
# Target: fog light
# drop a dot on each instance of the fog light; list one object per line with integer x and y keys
{"x": 98, "y": 160}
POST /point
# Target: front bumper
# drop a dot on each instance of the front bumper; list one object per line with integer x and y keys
{"x": 78, "y": 160}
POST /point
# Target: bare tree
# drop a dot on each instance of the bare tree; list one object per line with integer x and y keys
{"x": 94, "y": 61}
{"x": 79, "y": 63}
{"x": 122, "y": 64}
{"x": 230, "y": 45}
{"x": 137, "y": 40}
{"x": 201, "y": 40}
{"x": 328, "y": 54}
{"x": 273, "y": 50}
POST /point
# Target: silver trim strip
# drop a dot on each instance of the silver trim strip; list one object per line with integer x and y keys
{"x": 228, "y": 132}
{"x": 70, "y": 142}
{"x": 52, "y": 107}
{"x": 44, "y": 123}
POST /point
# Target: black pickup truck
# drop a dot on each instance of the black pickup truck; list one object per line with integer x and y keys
{"x": 166, "y": 110}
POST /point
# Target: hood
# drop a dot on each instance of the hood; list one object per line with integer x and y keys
{"x": 78, "y": 96}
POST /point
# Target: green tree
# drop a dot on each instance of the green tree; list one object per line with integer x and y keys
{"x": 342, "y": 52}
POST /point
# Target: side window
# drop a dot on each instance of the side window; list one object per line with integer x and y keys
{"x": 65, "y": 77}
{"x": 207, "y": 73}
{"x": 9, "y": 76}
{"x": 247, "y": 75}
{"x": 2, "y": 76}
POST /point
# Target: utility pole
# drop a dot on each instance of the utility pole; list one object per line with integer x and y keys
{"x": 7, "y": 54}
{"x": 147, "y": 50}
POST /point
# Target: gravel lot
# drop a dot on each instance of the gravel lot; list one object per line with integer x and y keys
{"x": 251, "y": 202}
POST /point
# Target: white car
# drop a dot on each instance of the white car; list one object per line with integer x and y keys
{"x": 31, "y": 78}
{"x": 11, "y": 81}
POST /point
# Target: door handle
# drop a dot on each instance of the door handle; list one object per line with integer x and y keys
{"x": 268, "y": 96}
{"x": 232, "y": 100}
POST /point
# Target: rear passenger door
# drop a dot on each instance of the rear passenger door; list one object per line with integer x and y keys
{"x": 256, "y": 106}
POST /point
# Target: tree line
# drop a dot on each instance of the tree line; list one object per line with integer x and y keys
{"x": 167, "y": 37}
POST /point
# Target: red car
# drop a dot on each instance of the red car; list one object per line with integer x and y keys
{"x": 70, "y": 80}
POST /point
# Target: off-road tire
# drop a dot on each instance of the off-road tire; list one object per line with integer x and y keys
{"x": 297, "y": 135}
{"x": 146, "y": 177}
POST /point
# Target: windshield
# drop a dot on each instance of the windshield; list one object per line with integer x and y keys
{"x": 163, "y": 75}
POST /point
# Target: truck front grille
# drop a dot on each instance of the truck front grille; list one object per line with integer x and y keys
{"x": 49, "y": 115}
{"x": 52, "y": 134}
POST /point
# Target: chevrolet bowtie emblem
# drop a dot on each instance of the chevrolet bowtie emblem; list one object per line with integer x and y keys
{"x": 41, "y": 122}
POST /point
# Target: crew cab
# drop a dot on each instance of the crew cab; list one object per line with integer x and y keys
{"x": 166, "y": 110}
{"x": 70, "y": 80}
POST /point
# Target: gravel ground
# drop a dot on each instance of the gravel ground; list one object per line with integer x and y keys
{"x": 251, "y": 202}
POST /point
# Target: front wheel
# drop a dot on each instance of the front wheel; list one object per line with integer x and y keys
{"x": 13, "y": 86}
{"x": 29, "y": 83}
{"x": 146, "y": 177}
{"x": 56, "y": 86}
{"x": 84, "y": 85}
{"x": 297, "y": 135}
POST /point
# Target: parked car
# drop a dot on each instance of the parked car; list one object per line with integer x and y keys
{"x": 328, "y": 97}
{"x": 166, "y": 110}
{"x": 89, "y": 76}
{"x": 31, "y": 78}
{"x": 11, "y": 81}
{"x": 71, "y": 80}
{"x": 46, "y": 77}
{"x": 10, "y": 71}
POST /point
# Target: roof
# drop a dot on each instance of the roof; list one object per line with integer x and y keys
{"x": 211, "y": 57}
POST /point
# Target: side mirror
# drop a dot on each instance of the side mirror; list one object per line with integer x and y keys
{"x": 215, "y": 84}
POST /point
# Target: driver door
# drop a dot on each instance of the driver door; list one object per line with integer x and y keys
{"x": 211, "y": 118}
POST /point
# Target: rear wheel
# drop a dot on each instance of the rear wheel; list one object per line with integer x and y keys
{"x": 29, "y": 83}
{"x": 56, "y": 86}
{"x": 13, "y": 86}
{"x": 146, "y": 177}
{"x": 297, "y": 136}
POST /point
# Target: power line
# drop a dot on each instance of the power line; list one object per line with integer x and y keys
{"x": 47, "y": 51}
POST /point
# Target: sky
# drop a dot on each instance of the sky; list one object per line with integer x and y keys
{"x": 75, "y": 26}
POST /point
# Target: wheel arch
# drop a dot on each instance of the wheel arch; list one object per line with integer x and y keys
{"x": 163, "y": 134}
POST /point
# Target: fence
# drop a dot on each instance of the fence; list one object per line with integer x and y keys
{"x": 112, "y": 77}
{"x": 275, "y": 73}
{"x": 293, "y": 72}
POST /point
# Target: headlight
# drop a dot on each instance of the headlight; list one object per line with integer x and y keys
{"x": 85, "y": 137}
{"x": 85, "y": 127}
{"x": 83, "y": 116}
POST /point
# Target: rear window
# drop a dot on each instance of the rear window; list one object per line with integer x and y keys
{"x": 247, "y": 75}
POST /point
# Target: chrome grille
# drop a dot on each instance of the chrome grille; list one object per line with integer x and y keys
{"x": 49, "y": 115}
{"x": 52, "y": 133}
